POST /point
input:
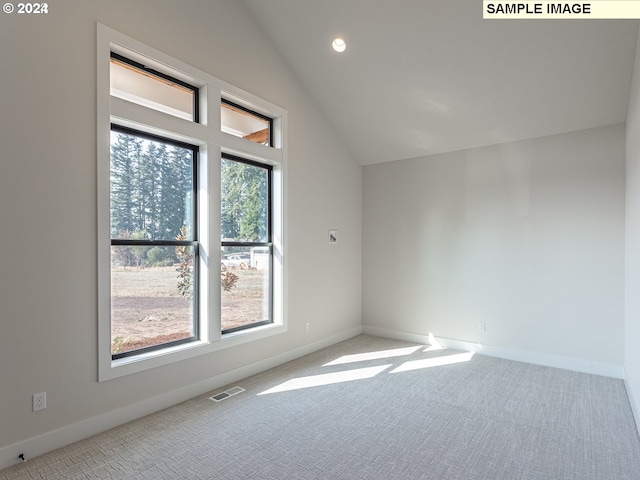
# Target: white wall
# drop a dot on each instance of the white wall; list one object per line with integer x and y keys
{"x": 48, "y": 298}
{"x": 527, "y": 237}
{"x": 632, "y": 278}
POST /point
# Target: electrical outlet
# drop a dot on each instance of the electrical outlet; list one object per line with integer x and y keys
{"x": 482, "y": 327}
{"x": 39, "y": 401}
{"x": 307, "y": 326}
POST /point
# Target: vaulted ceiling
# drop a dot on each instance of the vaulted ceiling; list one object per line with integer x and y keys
{"x": 421, "y": 77}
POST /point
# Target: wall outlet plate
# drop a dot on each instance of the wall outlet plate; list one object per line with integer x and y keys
{"x": 39, "y": 401}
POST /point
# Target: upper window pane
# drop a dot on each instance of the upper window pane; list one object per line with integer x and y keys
{"x": 244, "y": 123}
{"x": 146, "y": 87}
{"x": 244, "y": 202}
{"x": 151, "y": 188}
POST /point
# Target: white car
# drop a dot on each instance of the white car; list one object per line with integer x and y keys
{"x": 236, "y": 260}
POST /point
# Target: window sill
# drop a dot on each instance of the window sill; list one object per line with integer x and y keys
{"x": 145, "y": 361}
{"x": 251, "y": 334}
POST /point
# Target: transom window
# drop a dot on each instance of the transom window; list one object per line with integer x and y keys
{"x": 245, "y": 123}
{"x": 137, "y": 83}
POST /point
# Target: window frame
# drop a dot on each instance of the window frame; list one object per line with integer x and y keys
{"x": 268, "y": 243}
{"x": 175, "y": 243}
{"x": 212, "y": 142}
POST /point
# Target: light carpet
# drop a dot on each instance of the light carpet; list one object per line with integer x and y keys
{"x": 373, "y": 408}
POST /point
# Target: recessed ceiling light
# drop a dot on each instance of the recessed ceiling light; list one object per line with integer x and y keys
{"x": 338, "y": 45}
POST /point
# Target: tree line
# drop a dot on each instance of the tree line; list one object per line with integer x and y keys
{"x": 152, "y": 196}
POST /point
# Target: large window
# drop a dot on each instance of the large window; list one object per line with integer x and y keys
{"x": 190, "y": 210}
{"x": 154, "y": 248}
{"x": 245, "y": 225}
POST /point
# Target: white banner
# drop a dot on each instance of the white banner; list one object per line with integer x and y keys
{"x": 597, "y": 9}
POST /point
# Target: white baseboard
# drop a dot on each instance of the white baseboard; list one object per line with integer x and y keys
{"x": 396, "y": 335}
{"x": 536, "y": 358}
{"x": 69, "y": 434}
{"x": 634, "y": 401}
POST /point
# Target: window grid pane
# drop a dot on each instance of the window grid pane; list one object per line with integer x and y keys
{"x": 245, "y": 214}
{"x": 152, "y": 184}
{"x": 152, "y": 305}
{"x": 246, "y": 287}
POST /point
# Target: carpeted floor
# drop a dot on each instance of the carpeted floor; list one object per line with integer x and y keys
{"x": 372, "y": 408}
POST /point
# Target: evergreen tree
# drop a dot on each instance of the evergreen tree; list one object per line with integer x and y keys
{"x": 244, "y": 201}
{"x": 125, "y": 150}
{"x": 149, "y": 187}
{"x": 151, "y": 193}
{"x": 175, "y": 172}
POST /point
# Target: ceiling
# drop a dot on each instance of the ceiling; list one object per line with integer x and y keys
{"x": 421, "y": 77}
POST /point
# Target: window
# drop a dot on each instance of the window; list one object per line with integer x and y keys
{"x": 245, "y": 123}
{"x": 190, "y": 210}
{"x": 154, "y": 248}
{"x": 245, "y": 226}
{"x": 135, "y": 82}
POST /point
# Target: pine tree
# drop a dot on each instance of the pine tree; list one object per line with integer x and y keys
{"x": 175, "y": 170}
{"x": 125, "y": 151}
{"x": 244, "y": 201}
{"x": 148, "y": 188}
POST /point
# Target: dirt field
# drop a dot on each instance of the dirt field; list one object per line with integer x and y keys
{"x": 146, "y": 308}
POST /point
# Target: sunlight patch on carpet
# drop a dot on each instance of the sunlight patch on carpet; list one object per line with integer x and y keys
{"x": 434, "y": 362}
{"x": 363, "y": 357}
{"x": 327, "y": 379}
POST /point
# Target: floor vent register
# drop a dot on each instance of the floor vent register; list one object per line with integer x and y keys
{"x": 218, "y": 397}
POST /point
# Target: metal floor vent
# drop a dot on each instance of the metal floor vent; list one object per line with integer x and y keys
{"x": 218, "y": 397}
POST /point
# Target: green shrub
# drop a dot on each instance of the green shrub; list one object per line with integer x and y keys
{"x": 159, "y": 257}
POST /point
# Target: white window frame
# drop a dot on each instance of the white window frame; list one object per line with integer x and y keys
{"x": 210, "y": 139}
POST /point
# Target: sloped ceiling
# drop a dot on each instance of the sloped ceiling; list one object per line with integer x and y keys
{"x": 421, "y": 77}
